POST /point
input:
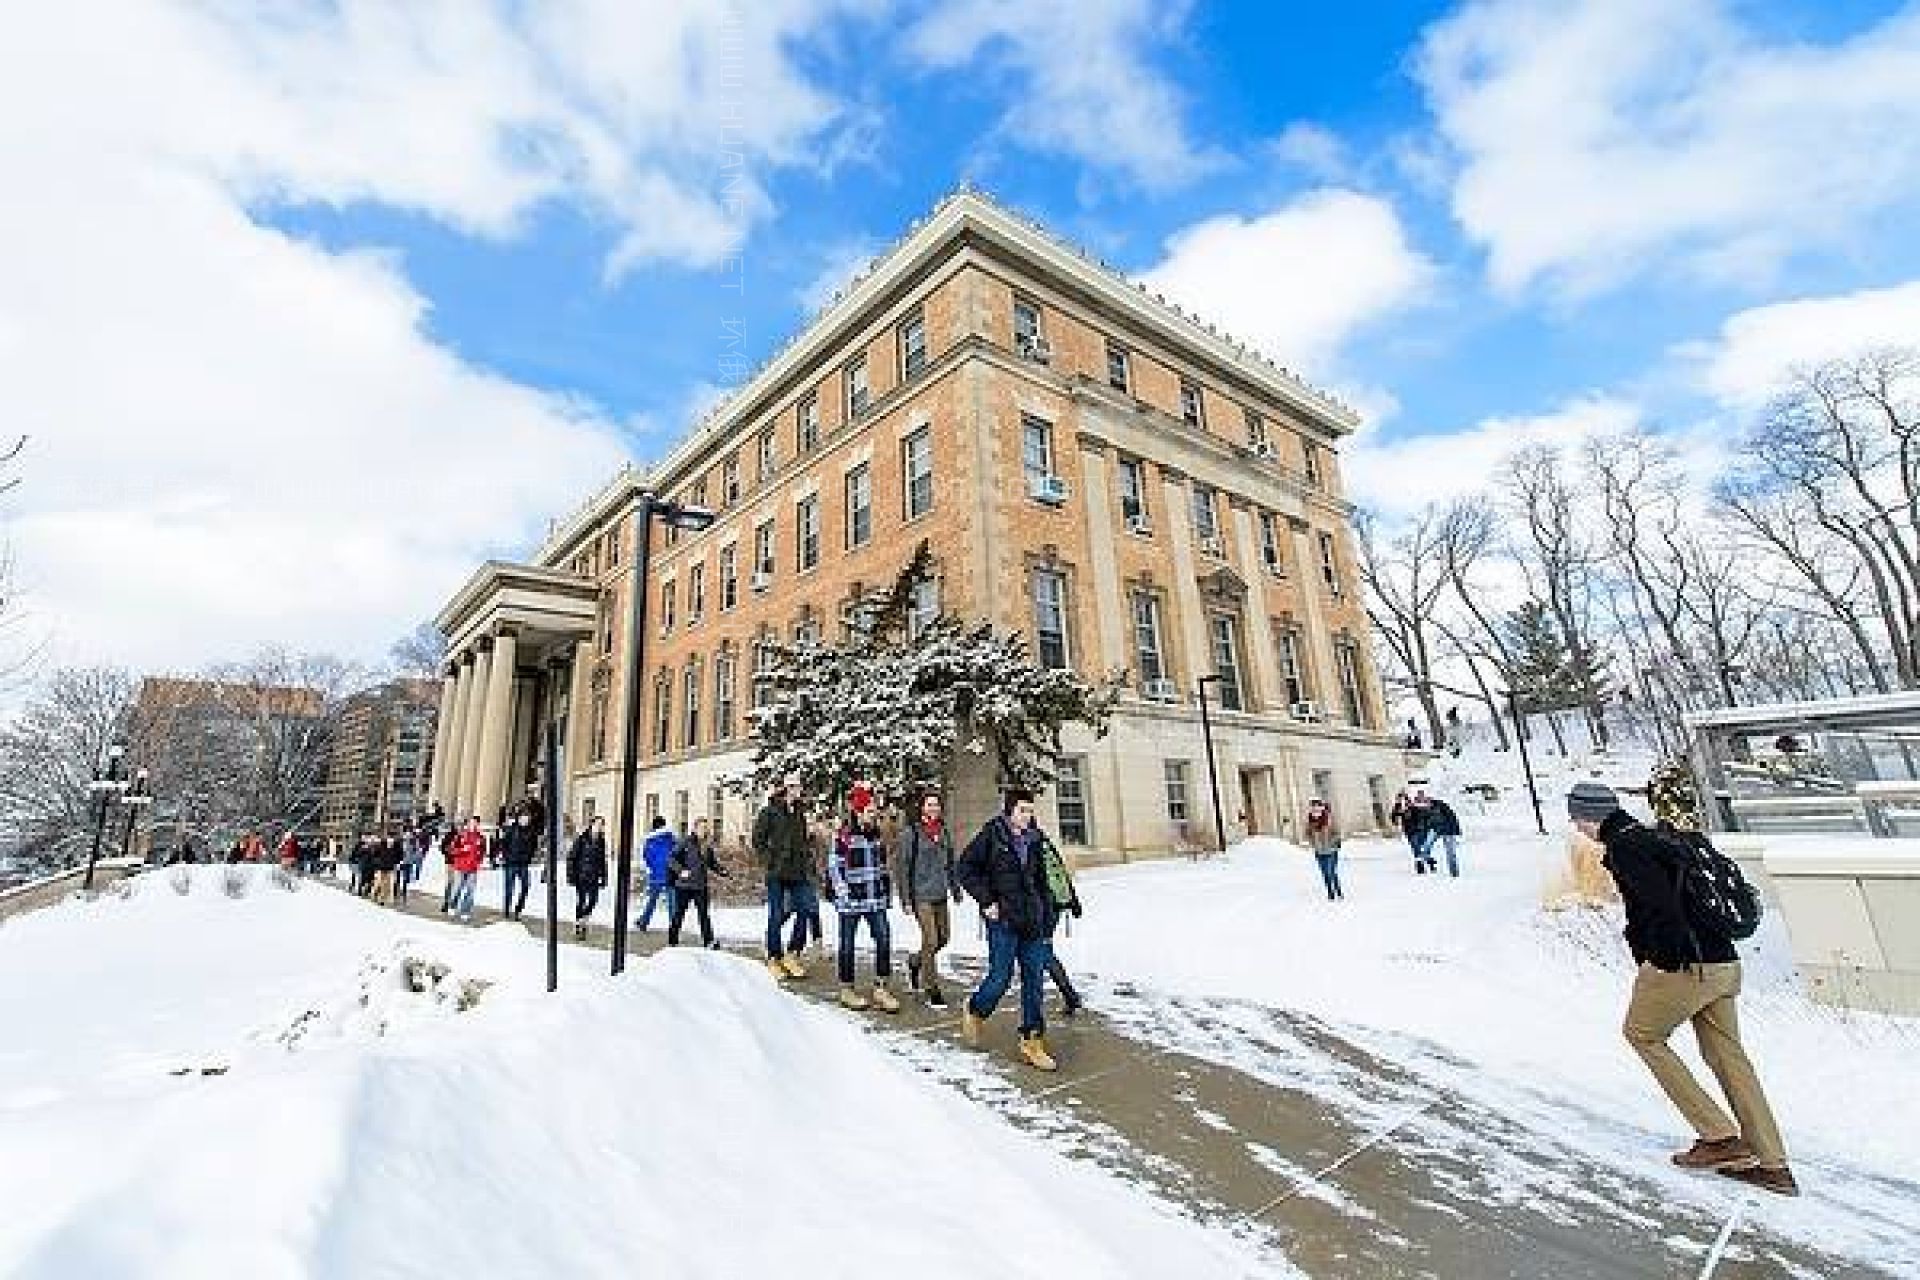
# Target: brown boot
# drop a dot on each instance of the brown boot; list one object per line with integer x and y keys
{"x": 1715, "y": 1153}
{"x": 1034, "y": 1050}
{"x": 884, "y": 1000}
{"x": 1777, "y": 1179}
{"x": 971, "y": 1025}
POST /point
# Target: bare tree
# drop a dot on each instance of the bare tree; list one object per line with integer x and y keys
{"x": 48, "y": 755}
{"x": 1466, "y": 538}
{"x": 421, "y": 652}
{"x": 1406, "y": 579}
{"x": 1558, "y": 560}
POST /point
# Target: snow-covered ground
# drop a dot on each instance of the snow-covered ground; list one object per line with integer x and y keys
{"x": 298, "y": 1084}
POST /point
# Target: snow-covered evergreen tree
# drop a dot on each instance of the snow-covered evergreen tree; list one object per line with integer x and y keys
{"x": 895, "y": 703}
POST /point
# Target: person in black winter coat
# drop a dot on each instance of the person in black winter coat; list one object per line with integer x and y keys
{"x": 1431, "y": 823}
{"x": 587, "y": 872}
{"x": 688, "y": 868}
{"x": 1004, "y": 871}
{"x": 1687, "y": 973}
{"x": 518, "y": 842}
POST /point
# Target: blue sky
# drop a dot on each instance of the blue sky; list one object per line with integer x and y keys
{"x": 459, "y": 259}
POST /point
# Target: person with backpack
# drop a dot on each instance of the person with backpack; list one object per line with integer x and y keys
{"x": 587, "y": 872}
{"x": 1323, "y": 837}
{"x": 862, "y": 891}
{"x": 926, "y": 882}
{"x": 1433, "y": 824}
{"x": 1003, "y": 871}
{"x": 656, "y": 853}
{"x": 1065, "y": 899}
{"x": 1686, "y": 905}
{"x": 692, "y": 862}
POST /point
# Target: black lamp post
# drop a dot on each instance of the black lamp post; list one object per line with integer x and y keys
{"x": 137, "y": 798}
{"x": 107, "y": 786}
{"x": 1213, "y": 777}
{"x": 677, "y": 516}
{"x": 1526, "y": 761}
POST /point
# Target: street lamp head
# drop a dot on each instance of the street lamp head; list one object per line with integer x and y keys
{"x": 689, "y": 519}
{"x": 116, "y": 750}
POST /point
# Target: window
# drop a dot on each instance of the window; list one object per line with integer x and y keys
{"x": 1133, "y": 489}
{"x": 1205, "y": 527}
{"x": 1226, "y": 662}
{"x": 1119, "y": 367}
{"x": 762, "y": 672}
{"x": 1329, "y": 567}
{"x": 916, "y": 465}
{"x": 690, "y": 706}
{"x": 696, "y": 593}
{"x": 859, "y": 505}
{"x": 597, "y": 719}
{"x": 1346, "y": 660}
{"x": 723, "y": 664}
{"x": 806, "y": 424}
{"x": 1070, "y": 798}
{"x": 1146, "y": 636}
{"x": 697, "y": 496}
{"x": 729, "y": 576}
{"x": 925, "y": 608}
{"x": 856, "y": 621}
{"x": 1292, "y": 675}
{"x": 806, "y": 538}
{"x": 1270, "y": 543}
{"x": 1050, "y": 617}
{"x": 1256, "y": 429}
{"x": 682, "y": 811}
{"x": 1190, "y": 410}
{"x": 763, "y": 554}
{"x": 667, "y": 593}
{"x": 1176, "y": 775}
{"x": 1036, "y": 450}
{"x": 1026, "y": 326}
{"x": 1310, "y": 455}
{"x": 769, "y": 455}
{"x": 1377, "y": 797}
{"x": 730, "y": 482}
{"x": 1323, "y": 784}
{"x": 653, "y": 807}
{"x": 913, "y": 345}
{"x": 613, "y": 548}
{"x": 716, "y": 813}
{"x": 608, "y": 605}
{"x": 662, "y": 712}
{"x": 806, "y": 631}
{"x": 857, "y": 393}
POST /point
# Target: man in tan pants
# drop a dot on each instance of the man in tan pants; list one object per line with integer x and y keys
{"x": 1686, "y": 975}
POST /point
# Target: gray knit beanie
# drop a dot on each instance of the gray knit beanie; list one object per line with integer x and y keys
{"x": 1591, "y": 801}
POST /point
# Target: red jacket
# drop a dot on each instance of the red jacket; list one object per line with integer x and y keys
{"x": 469, "y": 851}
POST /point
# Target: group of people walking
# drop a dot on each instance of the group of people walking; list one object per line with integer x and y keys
{"x": 1011, "y": 869}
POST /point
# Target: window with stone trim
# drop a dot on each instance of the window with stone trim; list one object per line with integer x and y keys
{"x": 1310, "y": 458}
{"x": 682, "y": 811}
{"x": 723, "y": 694}
{"x": 662, "y": 712}
{"x": 769, "y": 454}
{"x": 806, "y": 537}
{"x": 690, "y": 705}
{"x": 1256, "y": 428}
{"x": 729, "y": 481}
{"x": 612, "y": 546}
{"x": 806, "y": 426}
{"x": 729, "y": 576}
{"x": 1119, "y": 367}
{"x": 1050, "y": 617}
{"x": 668, "y": 591}
{"x": 716, "y": 814}
{"x": 1192, "y": 410}
{"x": 1148, "y": 650}
{"x": 913, "y": 345}
{"x": 609, "y": 605}
{"x": 916, "y": 469}
{"x": 763, "y": 551}
{"x": 1346, "y": 662}
{"x": 696, "y": 593}
{"x": 1133, "y": 489}
{"x": 1225, "y": 634}
{"x": 1206, "y": 524}
{"x": 1027, "y": 334}
{"x": 859, "y": 506}
{"x": 1293, "y": 674}
{"x": 925, "y": 607}
{"x": 1176, "y": 777}
{"x": 1070, "y": 799}
{"x": 597, "y": 725}
{"x": 1329, "y": 565}
{"x": 859, "y": 395}
{"x": 1271, "y": 553}
{"x": 763, "y": 661}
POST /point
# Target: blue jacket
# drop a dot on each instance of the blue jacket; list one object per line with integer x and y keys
{"x": 658, "y": 849}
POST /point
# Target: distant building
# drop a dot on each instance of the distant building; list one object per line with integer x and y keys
{"x": 381, "y": 760}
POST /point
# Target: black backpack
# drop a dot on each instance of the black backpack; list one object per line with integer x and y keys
{"x": 1714, "y": 893}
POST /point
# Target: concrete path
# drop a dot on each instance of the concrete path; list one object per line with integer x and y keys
{"x": 1398, "y": 1181}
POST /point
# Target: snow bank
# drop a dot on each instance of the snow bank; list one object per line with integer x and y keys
{"x": 297, "y": 1084}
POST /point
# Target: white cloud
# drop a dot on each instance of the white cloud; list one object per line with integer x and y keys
{"x": 839, "y": 263}
{"x": 1398, "y": 477}
{"x": 1746, "y": 363}
{"x": 1594, "y": 142}
{"x": 1091, "y": 91}
{"x": 238, "y": 437}
{"x": 1314, "y": 150}
{"x": 1298, "y": 282}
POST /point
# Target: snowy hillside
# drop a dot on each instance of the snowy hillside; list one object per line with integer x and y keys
{"x": 197, "y": 1085}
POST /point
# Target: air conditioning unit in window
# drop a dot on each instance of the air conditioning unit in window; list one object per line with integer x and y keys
{"x": 762, "y": 580}
{"x": 1160, "y": 690}
{"x": 1308, "y": 711}
{"x": 1139, "y": 524}
{"x": 1212, "y": 546}
{"x": 1265, "y": 449}
{"x": 1050, "y": 489}
{"x": 1037, "y": 349}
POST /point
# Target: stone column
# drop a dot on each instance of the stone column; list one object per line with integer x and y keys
{"x": 471, "y": 721}
{"x": 1110, "y": 611}
{"x": 1256, "y": 636}
{"x": 437, "y": 788}
{"x": 496, "y": 728}
{"x": 1192, "y": 620}
{"x": 580, "y": 708}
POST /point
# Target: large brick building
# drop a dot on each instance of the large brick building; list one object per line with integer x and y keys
{"x": 1090, "y": 465}
{"x": 382, "y": 752}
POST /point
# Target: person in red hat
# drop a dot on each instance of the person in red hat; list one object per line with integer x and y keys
{"x": 862, "y": 890}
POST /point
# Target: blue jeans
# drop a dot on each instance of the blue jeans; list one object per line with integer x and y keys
{"x": 882, "y": 931}
{"x": 654, "y": 894}
{"x": 460, "y": 893}
{"x": 1330, "y": 873}
{"x": 789, "y": 898}
{"x": 1452, "y": 846}
{"x": 522, "y": 874}
{"x": 1005, "y": 948}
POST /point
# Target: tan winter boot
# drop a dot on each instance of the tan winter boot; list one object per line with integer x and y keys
{"x": 794, "y": 968}
{"x": 971, "y": 1025}
{"x": 1034, "y": 1050}
{"x": 883, "y": 999}
{"x": 851, "y": 999}
{"x": 778, "y": 968}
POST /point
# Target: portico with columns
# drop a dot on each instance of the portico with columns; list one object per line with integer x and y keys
{"x": 514, "y": 638}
